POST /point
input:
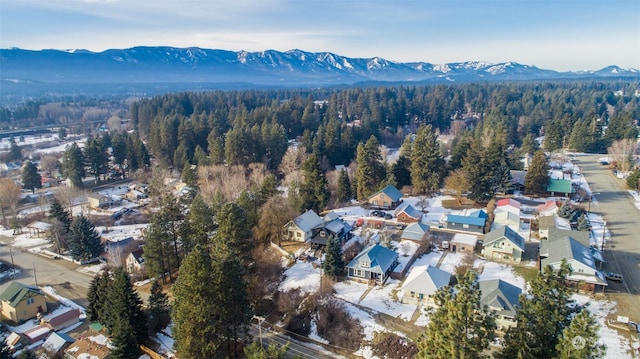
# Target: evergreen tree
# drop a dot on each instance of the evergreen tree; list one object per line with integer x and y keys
{"x": 427, "y": 164}
{"x": 5, "y": 351}
{"x": 84, "y": 240}
{"x": 189, "y": 175}
{"x": 479, "y": 177}
{"x": 256, "y": 351}
{"x": 344, "y": 193}
{"x": 96, "y": 157}
{"x": 633, "y": 180}
{"x": 232, "y": 235}
{"x": 537, "y": 178}
{"x": 583, "y": 223}
{"x": 125, "y": 309}
{"x": 401, "y": 170}
{"x": 97, "y": 298}
{"x": 314, "y": 189}
{"x": 565, "y": 210}
{"x": 73, "y": 165}
{"x": 198, "y": 225}
{"x": 553, "y": 135}
{"x": 123, "y": 340}
{"x": 57, "y": 212}
{"x": 27, "y": 354}
{"x": 529, "y": 145}
{"x": 460, "y": 327}
{"x": 159, "y": 309}
{"x": 371, "y": 171}
{"x": 157, "y": 249}
{"x": 15, "y": 152}
{"x": 194, "y": 308}
{"x": 333, "y": 264}
{"x": 268, "y": 188}
{"x": 31, "y": 179}
{"x": 541, "y": 317}
{"x": 580, "y": 339}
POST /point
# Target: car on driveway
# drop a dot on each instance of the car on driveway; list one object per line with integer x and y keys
{"x": 616, "y": 277}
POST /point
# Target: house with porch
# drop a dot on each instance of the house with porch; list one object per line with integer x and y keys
{"x": 503, "y": 245}
{"x": 22, "y": 302}
{"x": 300, "y": 229}
{"x": 387, "y": 198}
{"x": 135, "y": 261}
{"x": 502, "y": 299}
{"x": 422, "y": 283}
{"x": 373, "y": 265}
{"x": 583, "y": 261}
{"x": 335, "y": 227}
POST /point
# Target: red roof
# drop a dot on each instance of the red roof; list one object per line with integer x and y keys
{"x": 64, "y": 317}
{"x": 508, "y": 202}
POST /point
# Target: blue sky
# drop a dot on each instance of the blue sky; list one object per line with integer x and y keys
{"x": 552, "y": 34}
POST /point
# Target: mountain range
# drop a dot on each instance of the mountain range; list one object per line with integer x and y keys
{"x": 197, "y": 68}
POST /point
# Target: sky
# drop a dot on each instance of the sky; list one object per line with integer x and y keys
{"x": 563, "y": 35}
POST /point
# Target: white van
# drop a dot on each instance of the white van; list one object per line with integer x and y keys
{"x": 614, "y": 277}
{"x": 445, "y": 245}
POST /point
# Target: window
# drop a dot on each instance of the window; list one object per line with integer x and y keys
{"x": 298, "y": 234}
{"x": 358, "y": 273}
{"x": 381, "y": 195}
{"x": 465, "y": 225}
{"x": 29, "y": 301}
{"x": 364, "y": 264}
{"x": 323, "y": 234}
{"x": 413, "y": 294}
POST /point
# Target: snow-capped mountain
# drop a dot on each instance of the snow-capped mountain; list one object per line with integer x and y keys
{"x": 294, "y": 68}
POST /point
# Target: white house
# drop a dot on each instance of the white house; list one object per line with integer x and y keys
{"x": 422, "y": 283}
{"x": 300, "y": 228}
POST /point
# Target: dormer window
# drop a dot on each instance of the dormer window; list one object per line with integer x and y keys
{"x": 364, "y": 264}
{"x": 323, "y": 234}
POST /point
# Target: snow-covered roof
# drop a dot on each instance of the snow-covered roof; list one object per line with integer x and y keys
{"x": 415, "y": 231}
{"x": 426, "y": 280}
{"x": 409, "y": 210}
{"x": 465, "y": 239}
{"x": 506, "y": 218}
{"x": 308, "y": 220}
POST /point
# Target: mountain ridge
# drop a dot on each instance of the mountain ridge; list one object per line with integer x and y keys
{"x": 149, "y": 65}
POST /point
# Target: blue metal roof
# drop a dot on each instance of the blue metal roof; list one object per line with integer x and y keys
{"x": 475, "y": 221}
{"x": 392, "y": 192}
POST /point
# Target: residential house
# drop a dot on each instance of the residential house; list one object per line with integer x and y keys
{"x": 135, "y": 261}
{"x": 507, "y": 205}
{"x": 406, "y": 213}
{"x": 56, "y": 343}
{"x": 60, "y": 320}
{"x": 14, "y": 341}
{"x": 517, "y": 180}
{"x": 135, "y": 195}
{"x": 560, "y": 187}
{"x": 387, "y": 198}
{"x": 417, "y": 232}
{"x": 98, "y": 201}
{"x": 374, "y": 264}
{"x": 300, "y": 229}
{"x": 503, "y": 244}
{"x": 501, "y": 298}
{"x": 580, "y": 258}
{"x": 422, "y": 283}
{"x": 584, "y": 237}
{"x": 545, "y": 223}
{"x": 335, "y": 228}
{"x": 506, "y": 218}
{"x": 88, "y": 347}
{"x": 22, "y": 302}
{"x": 549, "y": 208}
{"x": 463, "y": 243}
{"x": 473, "y": 222}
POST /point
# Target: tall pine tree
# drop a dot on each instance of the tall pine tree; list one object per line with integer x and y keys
{"x": 537, "y": 177}
{"x": 460, "y": 327}
{"x": 333, "y": 264}
{"x": 314, "y": 189}
{"x": 84, "y": 241}
{"x": 580, "y": 339}
{"x": 31, "y": 179}
{"x": 371, "y": 171}
{"x": 427, "y": 164}
{"x": 344, "y": 194}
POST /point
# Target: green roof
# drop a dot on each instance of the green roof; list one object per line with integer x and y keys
{"x": 16, "y": 291}
{"x": 559, "y": 186}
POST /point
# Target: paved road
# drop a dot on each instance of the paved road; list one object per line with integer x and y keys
{"x": 296, "y": 349}
{"x": 616, "y": 205}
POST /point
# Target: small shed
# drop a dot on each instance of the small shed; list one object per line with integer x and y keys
{"x": 57, "y": 342}
{"x": 463, "y": 243}
{"x": 62, "y": 320}
{"x": 38, "y": 228}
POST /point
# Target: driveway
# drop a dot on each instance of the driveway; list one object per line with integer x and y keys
{"x": 616, "y": 205}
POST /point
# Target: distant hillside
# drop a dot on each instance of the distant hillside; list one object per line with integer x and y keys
{"x": 144, "y": 69}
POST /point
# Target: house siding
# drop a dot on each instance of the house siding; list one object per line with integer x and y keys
{"x": 465, "y": 227}
{"x": 25, "y": 309}
{"x": 503, "y": 250}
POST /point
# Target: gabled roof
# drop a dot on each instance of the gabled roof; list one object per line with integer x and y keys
{"x": 499, "y": 295}
{"x": 64, "y": 317}
{"x": 308, "y": 220}
{"x": 415, "y": 231}
{"x": 559, "y": 186}
{"x": 506, "y": 217}
{"x": 475, "y": 221}
{"x": 138, "y": 255}
{"x": 569, "y": 248}
{"x": 381, "y": 259}
{"x": 390, "y": 191}
{"x": 56, "y": 341}
{"x": 517, "y": 177}
{"x": 508, "y": 202}
{"x": 480, "y": 213}
{"x": 409, "y": 210}
{"x": 16, "y": 291}
{"x": 504, "y": 232}
{"x": 547, "y": 206}
{"x": 426, "y": 280}
{"x": 581, "y": 236}
{"x": 330, "y": 216}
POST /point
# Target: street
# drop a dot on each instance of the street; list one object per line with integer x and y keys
{"x": 616, "y": 205}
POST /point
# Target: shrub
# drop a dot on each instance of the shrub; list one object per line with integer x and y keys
{"x": 335, "y": 325}
{"x": 389, "y": 345}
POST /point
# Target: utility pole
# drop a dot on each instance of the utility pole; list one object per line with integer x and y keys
{"x": 35, "y": 278}
{"x": 260, "y": 320}
{"x": 604, "y": 229}
{"x": 13, "y": 266}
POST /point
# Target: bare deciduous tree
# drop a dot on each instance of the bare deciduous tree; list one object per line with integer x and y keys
{"x": 458, "y": 182}
{"x": 621, "y": 153}
{"x": 9, "y": 195}
{"x": 292, "y": 160}
{"x": 229, "y": 180}
{"x": 49, "y": 164}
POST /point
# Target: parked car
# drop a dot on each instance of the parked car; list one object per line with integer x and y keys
{"x": 616, "y": 277}
{"x": 445, "y": 245}
{"x": 359, "y": 222}
{"x": 388, "y": 216}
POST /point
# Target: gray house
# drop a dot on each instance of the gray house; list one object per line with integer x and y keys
{"x": 474, "y": 222}
{"x": 374, "y": 264}
{"x": 503, "y": 244}
{"x": 501, "y": 298}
